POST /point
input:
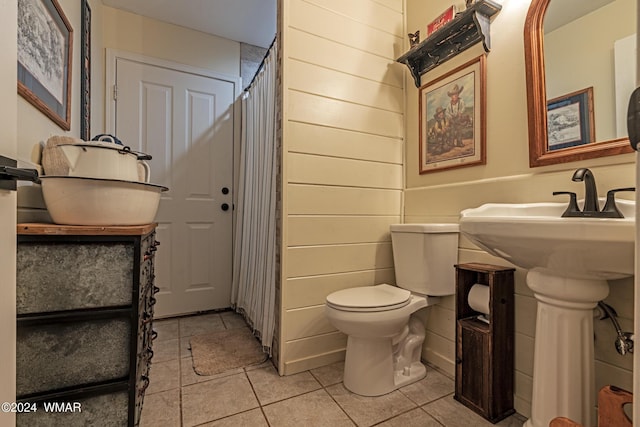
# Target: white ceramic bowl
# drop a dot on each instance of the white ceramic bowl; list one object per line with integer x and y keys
{"x": 104, "y": 160}
{"x": 93, "y": 201}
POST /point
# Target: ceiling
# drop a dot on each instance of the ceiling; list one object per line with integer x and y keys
{"x": 254, "y": 21}
{"x": 246, "y": 21}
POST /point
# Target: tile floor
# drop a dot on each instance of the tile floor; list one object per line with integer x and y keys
{"x": 258, "y": 396}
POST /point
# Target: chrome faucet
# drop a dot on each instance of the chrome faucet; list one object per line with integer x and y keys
{"x": 591, "y": 203}
{"x": 591, "y": 206}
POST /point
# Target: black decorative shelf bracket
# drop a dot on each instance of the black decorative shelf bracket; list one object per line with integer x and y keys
{"x": 465, "y": 30}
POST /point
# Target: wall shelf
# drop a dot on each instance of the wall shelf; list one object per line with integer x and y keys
{"x": 465, "y": 30}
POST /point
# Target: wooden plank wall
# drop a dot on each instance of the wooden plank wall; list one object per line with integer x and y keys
{"x": 343, "y": 130}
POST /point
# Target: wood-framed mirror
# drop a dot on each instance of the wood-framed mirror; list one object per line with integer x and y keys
{"x": 581, "y": 121}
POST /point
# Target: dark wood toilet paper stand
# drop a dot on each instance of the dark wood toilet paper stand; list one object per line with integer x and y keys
{"x": 485, "y": 351}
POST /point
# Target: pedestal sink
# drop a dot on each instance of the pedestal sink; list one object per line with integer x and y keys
{"x": 569, "y": 262}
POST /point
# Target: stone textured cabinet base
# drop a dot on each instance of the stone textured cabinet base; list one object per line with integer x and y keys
{"x": 85, "y": 311}
{"x": 109, "y": 409}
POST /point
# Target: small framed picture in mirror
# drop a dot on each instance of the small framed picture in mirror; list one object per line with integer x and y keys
{"x": 570, "y": 120}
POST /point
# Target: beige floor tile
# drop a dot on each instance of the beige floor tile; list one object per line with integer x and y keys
{"x": 233, "y": 320}
{"x": 231, "y": 398}
{"x": 434, "y": 386}
{"x": 451, "y": 413}
{"x": 311, "y": 409}
{"x": 515, "y": 420}
{"x": 414, "y": 418}
{"x": 185, "y": 347}
{"x": 201, "y": 324}
{"x": 167, "y": 329}
{"x": 330, "y": 374}
{"x": 188, "y": 375}
{"x": 252, "y": 418}
{"x": 266, "y": 364}
{"x": 161, "y": 409}
{"x": 164, "y": 376}
{"x": 164, "y": 351}
{"x": 215, "y": 399}
{"x": 271, "y": 387}
{"x": 367, "y": 411}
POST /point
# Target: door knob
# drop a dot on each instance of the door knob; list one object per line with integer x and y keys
{"x": 224, "y": 206}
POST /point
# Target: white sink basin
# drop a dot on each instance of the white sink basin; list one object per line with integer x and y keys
{"x": 536, "y": 236}
{"x": 569, "y": 262}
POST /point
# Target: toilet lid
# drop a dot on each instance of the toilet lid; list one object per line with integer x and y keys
{"x": 369, "y": 298}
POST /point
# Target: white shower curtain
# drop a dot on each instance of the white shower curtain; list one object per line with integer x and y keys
{"x": 254, "y": 254}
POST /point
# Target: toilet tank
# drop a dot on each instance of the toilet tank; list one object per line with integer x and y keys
{"x": 424, "y": 256}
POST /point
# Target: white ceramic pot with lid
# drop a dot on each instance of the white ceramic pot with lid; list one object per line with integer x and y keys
{"x": 108, "y": 161}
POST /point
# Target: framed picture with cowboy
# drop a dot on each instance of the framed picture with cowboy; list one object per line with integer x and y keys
{"x": 452, "y": 118}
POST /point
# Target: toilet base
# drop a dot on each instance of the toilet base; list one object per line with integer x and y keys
{"x": 369, "y": 369}
{"x": 416, "y": 372}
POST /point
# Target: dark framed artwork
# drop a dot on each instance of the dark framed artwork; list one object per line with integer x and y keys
{"x": 452, "y": 118}
{"x": 45, "y": 41}
{"x": 570, "y": 120}
{"x": 85, "y": 73}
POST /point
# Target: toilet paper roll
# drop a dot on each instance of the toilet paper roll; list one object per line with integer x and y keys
{"x": 478, "y": 298}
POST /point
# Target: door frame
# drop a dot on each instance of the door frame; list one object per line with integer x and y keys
{"x": 112, "y": 55}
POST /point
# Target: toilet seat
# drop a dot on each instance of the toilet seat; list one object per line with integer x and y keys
{"x": 369, "y": 298}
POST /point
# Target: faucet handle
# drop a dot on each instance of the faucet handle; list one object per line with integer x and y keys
{"x": 573, "y": 209}
{"x": 610, "y": 209}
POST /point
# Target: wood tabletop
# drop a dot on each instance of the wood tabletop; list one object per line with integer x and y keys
{"x": 85, "y": 230}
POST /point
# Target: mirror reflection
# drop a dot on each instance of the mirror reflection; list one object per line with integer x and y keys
{"x": 579, "y": 100}
{"x": 589, "y": 65}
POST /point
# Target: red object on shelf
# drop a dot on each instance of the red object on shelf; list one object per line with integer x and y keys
{"x": 441, "y": 20}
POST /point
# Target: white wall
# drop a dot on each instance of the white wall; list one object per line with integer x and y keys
{"x": 343, "y": 129}
{"x": 8, "y": 148}
{"x": 505, "y": 178}
{"x": 137, "y": 34}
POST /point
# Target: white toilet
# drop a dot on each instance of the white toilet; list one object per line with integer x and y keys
{"x": 384, "y": 339}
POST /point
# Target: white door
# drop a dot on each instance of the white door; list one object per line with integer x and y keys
{"x": 186, "y": 122}
{"x": 8, "y": 148}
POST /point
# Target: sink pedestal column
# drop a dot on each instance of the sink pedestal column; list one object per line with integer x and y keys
{"x": 563, "y": 367}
